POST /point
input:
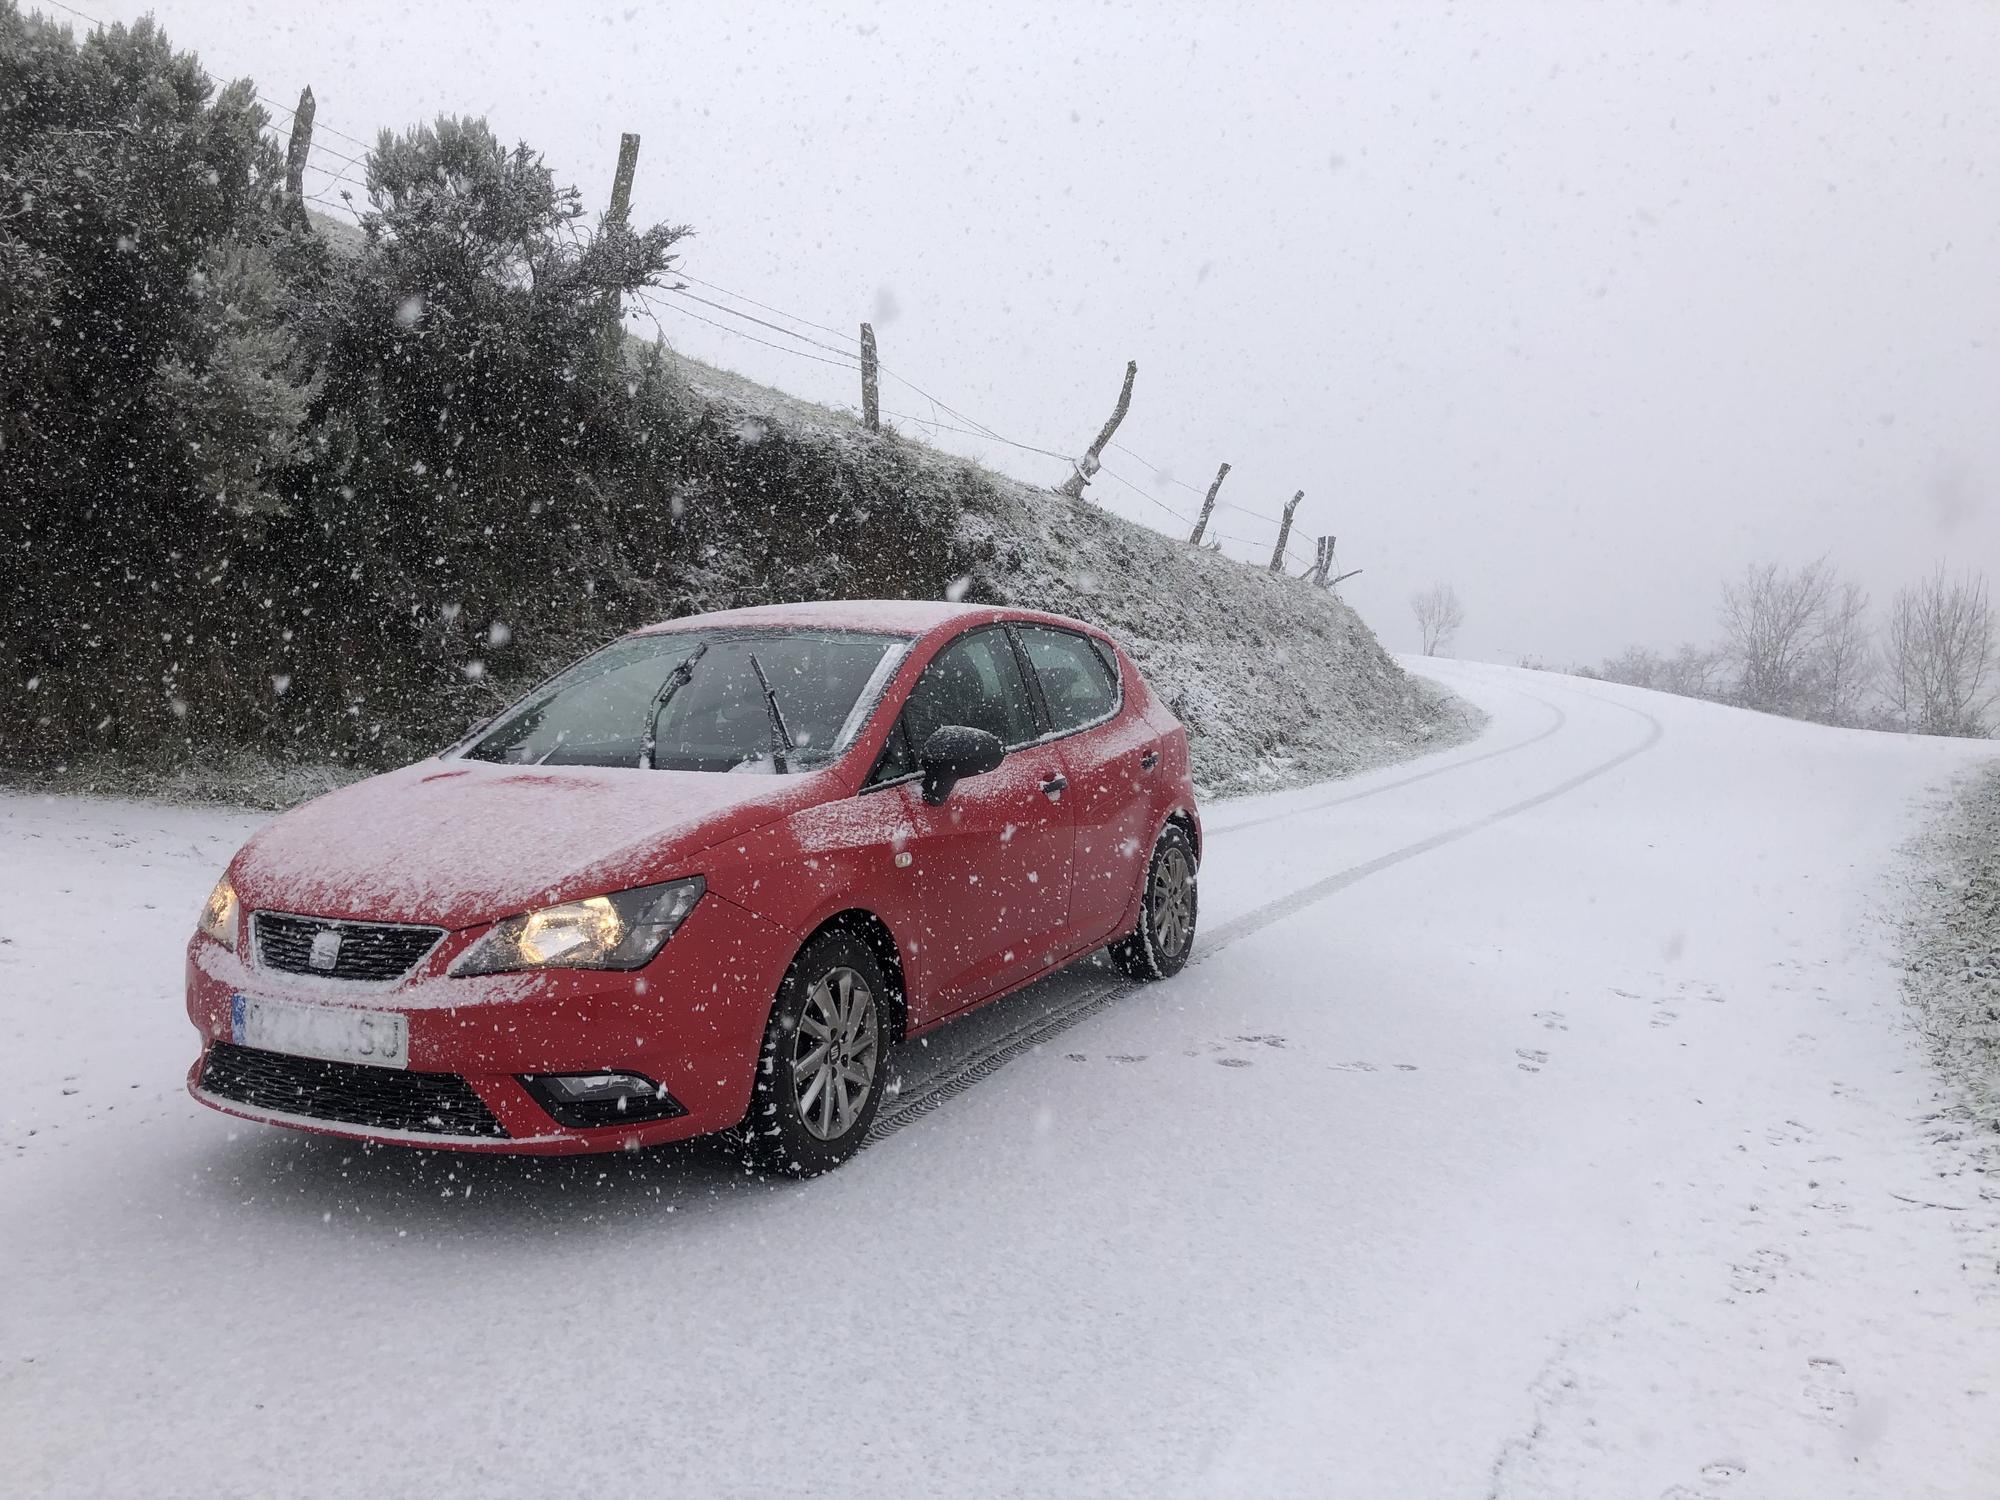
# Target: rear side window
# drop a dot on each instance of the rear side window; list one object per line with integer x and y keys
{"x": 974, "y": 681}
{"x": 1076, "y": 683}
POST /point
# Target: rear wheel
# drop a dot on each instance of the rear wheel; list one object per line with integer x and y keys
{"x": 1159, "y": 946}
{"x": 819, "y": 1075}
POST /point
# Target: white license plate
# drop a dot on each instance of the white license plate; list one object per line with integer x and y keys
{"x": 329, "y": 1032}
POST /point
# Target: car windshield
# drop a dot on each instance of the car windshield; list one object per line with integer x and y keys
{"x": 599, "y": 712}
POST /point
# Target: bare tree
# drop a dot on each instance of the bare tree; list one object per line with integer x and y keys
{"x": 1940, "y": 650}
{"x": 1439, "y": 614}
{"x": 1775, "y": 623}
{"x": 1843, "y": 668}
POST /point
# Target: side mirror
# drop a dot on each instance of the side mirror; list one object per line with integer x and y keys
{"x": 955, "y": 752}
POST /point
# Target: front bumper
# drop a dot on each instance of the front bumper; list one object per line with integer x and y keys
{"x": 692, "y": 1020}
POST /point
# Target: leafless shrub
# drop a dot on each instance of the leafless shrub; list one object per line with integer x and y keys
{"x": 1439, "y": 615}
{"x": 1940, "y": 652}
{"x": 1692, "y": 671}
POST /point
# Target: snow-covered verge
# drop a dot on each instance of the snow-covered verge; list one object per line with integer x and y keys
{"x": 1951, "y": 938}
{"x": 226, "y": 778}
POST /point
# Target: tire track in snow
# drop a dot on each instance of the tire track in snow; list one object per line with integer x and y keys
{"x": 1555, "y": 727}
{"x": 906, "y": 1109}
{"x": 1285, "y": 906}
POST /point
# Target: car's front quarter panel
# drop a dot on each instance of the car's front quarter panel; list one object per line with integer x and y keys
{"x": 839, "y": 856}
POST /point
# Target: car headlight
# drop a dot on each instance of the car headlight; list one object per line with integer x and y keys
{"x": 620, "y": 931}
{"x": 218, "y": 914}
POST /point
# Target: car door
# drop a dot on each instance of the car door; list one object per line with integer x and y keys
{"x": 991, "y": 863}
{"x": 1109, "y": 751}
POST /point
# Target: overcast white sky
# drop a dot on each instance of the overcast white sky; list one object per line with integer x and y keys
{"x": 1579, "y": 307}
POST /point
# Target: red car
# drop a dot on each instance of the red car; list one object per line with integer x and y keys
{"x": 705, "y": 878}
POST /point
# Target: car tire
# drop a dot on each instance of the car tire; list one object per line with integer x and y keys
{"x": 1159, "y": 946}
{"x": 824, "y": 1061}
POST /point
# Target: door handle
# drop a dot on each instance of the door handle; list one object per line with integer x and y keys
{"x": 1053, "y": 787}
{"x": 1149, "y": 760}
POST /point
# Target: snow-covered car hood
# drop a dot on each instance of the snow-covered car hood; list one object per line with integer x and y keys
{"x": 459, "y": 842}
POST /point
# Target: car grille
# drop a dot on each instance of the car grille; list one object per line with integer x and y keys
{"x": 368, "y": 950}
{"x": 347, "y": 1093}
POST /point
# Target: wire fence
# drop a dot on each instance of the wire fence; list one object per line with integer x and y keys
{"x": 339, "y": 178}
{"x": 808, "y": 346}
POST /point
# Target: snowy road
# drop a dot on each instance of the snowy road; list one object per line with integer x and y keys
{"x": 1539, "y": 1120}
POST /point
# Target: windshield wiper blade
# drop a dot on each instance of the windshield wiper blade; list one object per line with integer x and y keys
{"x": 676, "y": 680}
{"x": 781, "y": 737}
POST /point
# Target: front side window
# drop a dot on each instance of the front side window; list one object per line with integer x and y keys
{"x": 897, "y": 760}
{"x": 974, "y": 681}
{"x": 1077, "y": 686}
{"x": 598, "y": 713}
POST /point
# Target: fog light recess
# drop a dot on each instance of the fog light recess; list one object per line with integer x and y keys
{"x": 588, "y": 1101}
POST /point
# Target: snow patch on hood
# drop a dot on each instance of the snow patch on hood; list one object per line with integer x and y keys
{"x": 459, "y": 842}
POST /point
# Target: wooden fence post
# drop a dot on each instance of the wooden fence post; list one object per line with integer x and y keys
{"x": 1088, "y": 464}
{"x": 1285, "y": 533}
{"x": 621, "y": 182}
{"x": 1208, "y": 505}
{"x": 1322, "y": 560}
{"x": 619, "y": 211}
{"x": 871, "y": 395}
{"x": 297, "y": 150}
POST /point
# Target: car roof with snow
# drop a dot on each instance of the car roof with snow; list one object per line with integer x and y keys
{"x": 912, "y": 617}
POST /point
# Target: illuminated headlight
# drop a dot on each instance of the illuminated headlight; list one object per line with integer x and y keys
{"x": 619, "y": 931}
{"x": 218, "y": 914}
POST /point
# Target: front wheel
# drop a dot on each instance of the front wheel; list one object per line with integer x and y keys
{"x": 1159, "y": 946}
{"x": 820, "y": 1072}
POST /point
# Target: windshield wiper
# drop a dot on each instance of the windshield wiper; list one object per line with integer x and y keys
{"x": 781, "y": 737}
{"x": 676, "y": 680}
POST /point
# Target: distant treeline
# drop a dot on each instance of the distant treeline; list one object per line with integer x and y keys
{"x": 1806, "y": 643}
{"x": 260, "y": 493}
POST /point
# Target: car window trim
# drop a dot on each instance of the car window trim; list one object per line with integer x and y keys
{"x": 1117, "y": 683}
{"x": 1038, "y": 701}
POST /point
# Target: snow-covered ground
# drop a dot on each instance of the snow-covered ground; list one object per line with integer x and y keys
{"x": 1540, "y": 1119}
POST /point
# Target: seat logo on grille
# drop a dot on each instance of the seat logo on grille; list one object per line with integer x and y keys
{"x": 325, "y": 955}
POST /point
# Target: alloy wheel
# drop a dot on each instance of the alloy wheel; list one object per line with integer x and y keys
{"x": 1172, "y": 903}
{"x": 834, "y": 1055}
